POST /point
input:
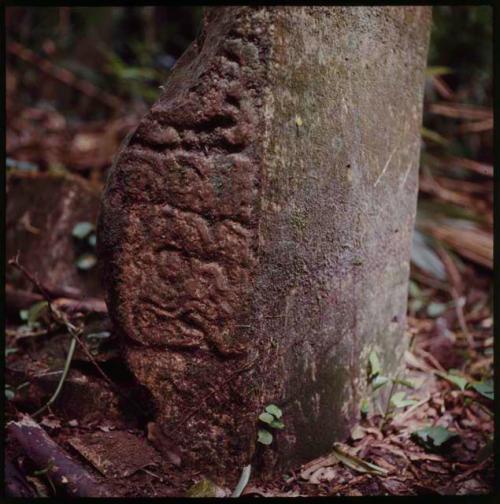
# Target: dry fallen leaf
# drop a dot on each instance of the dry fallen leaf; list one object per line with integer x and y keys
{"x": 308, "y": 469}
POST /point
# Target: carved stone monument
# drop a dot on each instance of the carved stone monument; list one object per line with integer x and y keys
{"x": 255, "y": 232}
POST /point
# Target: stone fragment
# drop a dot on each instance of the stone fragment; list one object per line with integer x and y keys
{"x": 116, "y": 454}
{"x": 42, "y": 210}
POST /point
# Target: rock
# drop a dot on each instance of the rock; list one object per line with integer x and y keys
{"x": 42, "y": 210}
{"x": 261, "y": 253}
{"x": 116, "y": 454}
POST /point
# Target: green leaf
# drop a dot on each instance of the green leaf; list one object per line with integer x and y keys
{"x": 415, "y": 305}
{"x": 375, "y": 368}
{"x": 264, "y": 437}
{"x": 203, "y": 488}
{"x": 379, "y": 381}
{"x": 274, "y": 410}
{"x": 57, "y": 168}
{"x": 459, "y": 381}
{"x": 435, "y": 309}
{"x": 406, "y": 383}
{"x": 277, "y": 424}
{"x": 424, "y": 256}
{"x": 398, "y": 400}
{"x": 86, "y": 261}
{"x": 433, "y": 136}
{"x": 45, "y": 470}
{"x": 36, "y": 311}
{"x": 92, "y": 240}
{"x": 23, "y": 314}
{"x": 82, "y": 230}
{"x": 414, "y": 289}
{"x": 9, "y": 393}
{"x": 266, "y": 418}
{"x": 356, "y": 463}
{"x": 433, "y": 437}
{"x": 364, "y": 408}
{"x": 438, "y": 70}
{"x": 485, "y": 388}
{"x": 9, "y": 351}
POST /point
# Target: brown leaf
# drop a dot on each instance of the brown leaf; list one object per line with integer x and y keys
{"x": 308, "y": 469}
{"x": 395, "y": 486}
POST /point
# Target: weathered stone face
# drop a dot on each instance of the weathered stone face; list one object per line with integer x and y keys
{"x": 179, "y": 235}
{"x": 255, "y": 230}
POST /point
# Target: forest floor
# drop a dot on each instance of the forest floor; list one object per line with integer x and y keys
{"x": 434, "y": 436}
{"x": 388, "y": 453}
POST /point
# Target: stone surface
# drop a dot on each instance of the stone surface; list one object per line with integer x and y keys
{"x": 115, "y": 454}
{"x": 255, "y": 231}
{"x": 42, "y": 209}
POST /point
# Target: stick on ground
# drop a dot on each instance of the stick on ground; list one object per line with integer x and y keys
{"x": 72, "y": 478}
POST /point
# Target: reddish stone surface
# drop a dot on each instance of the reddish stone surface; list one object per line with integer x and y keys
{"x": 42, "y": 210}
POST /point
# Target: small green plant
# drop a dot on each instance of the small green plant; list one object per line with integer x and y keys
{"x": 377, "y": 380}
{"x": 398, "y": 400}
{"x": 85, "y": 241}
{"x": 483, "y": 387}
{"x": 10, "y": 391}
{"x": 271, "y": 416}
{"x": 82, "y": 229}
{"x": 35, "y": 313}
{"x": 433, "y": 438}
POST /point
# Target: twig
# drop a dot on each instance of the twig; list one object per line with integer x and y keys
{"x": 430, "y": 282}
{"x": 483, "y": 407}
{"x": 472, "y": 470}
{"x": 67, "y": 365}
{"x": 92, "y": 359}
{"x": 404, "y": 416}
{"x": 103, "y": 374}
{"x": 59, "y": 318}
{"x": 22, "y": 335}
{"x": 431, "y": 359}
{"x": 93, "y": 305}
{"x": 16, "y": 264}
{"x": 243, "y": 482}
{"x": 68, "y": 475}
{"x": 21, "y": 299}
{"x": 459, "y": 307}
{"x": 96, "y": 305}
{"x": 72, "y": 329}
{"x": 442, "y": 88}
{"x": 384, "y": 418}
